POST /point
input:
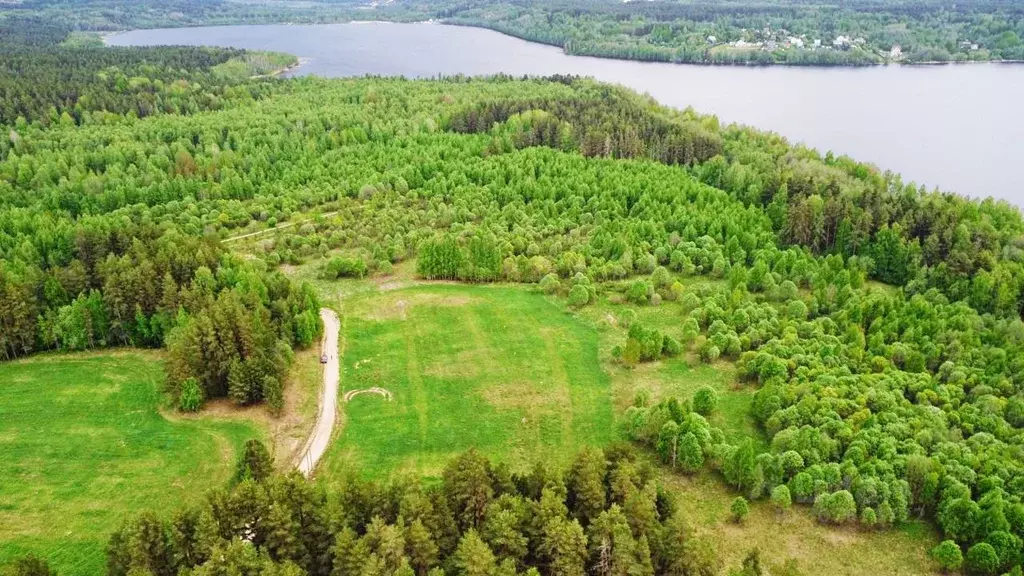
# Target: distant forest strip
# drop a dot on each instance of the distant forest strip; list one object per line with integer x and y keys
{"x": 857, "y": 33}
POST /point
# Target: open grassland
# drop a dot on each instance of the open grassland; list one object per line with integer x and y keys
{"x": 496, "y": 368}
{"x": 84, "y": 445}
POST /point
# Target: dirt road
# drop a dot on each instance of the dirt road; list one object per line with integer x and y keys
{"x": 320, "y": 438}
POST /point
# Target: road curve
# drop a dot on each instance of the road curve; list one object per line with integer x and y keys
{"x": 320, "y": 438}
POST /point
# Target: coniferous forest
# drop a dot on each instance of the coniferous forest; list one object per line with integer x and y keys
{"x": 875, "y": 325}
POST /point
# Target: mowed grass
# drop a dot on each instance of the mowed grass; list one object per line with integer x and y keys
{"x": 501, "y": 369}
{"x": 83, "y": 446}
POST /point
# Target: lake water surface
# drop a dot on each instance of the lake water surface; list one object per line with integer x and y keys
{"x": 960, "y": 128}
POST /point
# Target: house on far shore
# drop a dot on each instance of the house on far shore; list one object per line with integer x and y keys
{"x": 712, "y": 40}
{"x": 895, "y": 53}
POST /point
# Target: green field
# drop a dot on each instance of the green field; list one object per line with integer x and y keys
{"x": 501, "y": 369}
{"x": 85, "y": 446}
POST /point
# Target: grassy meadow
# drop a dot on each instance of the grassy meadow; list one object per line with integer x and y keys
{"x": 491, "y": 367}
{"x": 84, "y": 445}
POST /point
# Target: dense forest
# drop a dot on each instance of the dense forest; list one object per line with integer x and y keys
{"x": 117, "y": 273}
{"x": 879, "y": 323}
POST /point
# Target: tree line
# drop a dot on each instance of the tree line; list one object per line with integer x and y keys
{"x": 604, "y": 514}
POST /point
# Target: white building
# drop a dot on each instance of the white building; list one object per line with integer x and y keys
{"x": 895, "y": 53}
{"x": 794, "y": 41}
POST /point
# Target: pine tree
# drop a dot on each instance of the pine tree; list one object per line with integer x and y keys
{"x": 350, "y": 554}
{"x": 281, "y": 534}
{"x": 473, "y": 557}
{"x": 420, "y": 548}
{"x": 586, "y": 484}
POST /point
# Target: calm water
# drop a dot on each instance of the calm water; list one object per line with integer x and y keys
{"x": 960, "y": 128}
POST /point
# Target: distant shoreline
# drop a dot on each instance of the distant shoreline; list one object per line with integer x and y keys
{"x": 106, "y": 35}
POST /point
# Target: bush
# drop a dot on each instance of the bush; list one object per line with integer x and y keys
{"x": 982, "y": 560}
{"x": 639, "y": 292}
{"x": 550, "y": 284}
{"x": 781, "y": 498}
{"x": 627, "y": 317}
{"x": 579, "y": 296}
{"x": 273, "y": 393}
{"x": 709, "y": 352}
{"x": 660, "y": 277}
{"x": 739, "y": 509}
{"x": 651, "y": 341}
{"x": 705, "y": 401}
{"x": 690, "y": 454}
{"x": 836, "y": 508}
{"x": 339, "y": 267}
{"x": 868, "y": 518}
{"x": 190, "y": 399}
{"x": 631, "y": 353}
{"x": 671, "y": 347}
{"x": 948, "y": 555}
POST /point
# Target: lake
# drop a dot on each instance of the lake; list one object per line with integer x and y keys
{"x": 958, "y": 127}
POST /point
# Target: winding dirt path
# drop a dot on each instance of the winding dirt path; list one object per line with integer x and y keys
{"x": 320, "y": 438}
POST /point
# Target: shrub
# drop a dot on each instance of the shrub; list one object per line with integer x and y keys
{"x": 705, "y": 401}
{"x": 671, "y": 347}
{"x": 660, "y": 277}
{"x": 650, "y": 340}
{"x": 781, "y": 498}
{"x": 948, "y": 555}
{"x": 709, "y": 352}
{"x": 631, "y": 353}
{"x": 627, "y": 317}
{"x": 739, "y": 509}
{"x": 868, "y": 518}
{"x": 689, "y": 301}
{"x": 639, "y": 292}
{"x": 340, "y": 267}
{"x": 550, "y": 284}
{"x": 579, "y": 296}
{"x": 273, "y": 393}
{"x": 30, "y": 565}
{"x": 982, "y": 560}
{"x": 690, "y": 455}
{"x": 837, "y": 508}
{"x": 190, "y": 399}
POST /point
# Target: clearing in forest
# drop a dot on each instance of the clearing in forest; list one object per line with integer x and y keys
{"x": 498, "y": 368}
{"x": 85, "y": 447}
